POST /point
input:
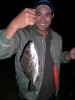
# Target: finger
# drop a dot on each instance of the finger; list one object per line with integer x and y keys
{"x": 31, "y": 21}
{"x": 31, "y": 17}
{"x": 32, "y": 11}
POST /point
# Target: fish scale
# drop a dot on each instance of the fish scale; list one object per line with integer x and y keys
{"x": 30, "y": 65}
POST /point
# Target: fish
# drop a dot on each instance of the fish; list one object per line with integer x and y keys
{"x": 30, "y": 64}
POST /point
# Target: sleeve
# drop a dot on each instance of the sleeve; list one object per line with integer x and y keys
{"x": 7, "y": 46}
{"x": 63, "y": 57}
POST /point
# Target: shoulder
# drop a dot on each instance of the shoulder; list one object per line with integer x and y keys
{"x": 56, "y": 35}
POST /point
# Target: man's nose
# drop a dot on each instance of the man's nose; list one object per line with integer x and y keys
{"x": 43, "y": 18}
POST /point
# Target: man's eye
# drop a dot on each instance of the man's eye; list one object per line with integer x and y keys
{"x": 47, "y": 15}
{"x": 38, "y": 14}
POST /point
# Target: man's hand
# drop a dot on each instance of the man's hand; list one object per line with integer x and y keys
{"x": 71, "y": 54}
{"x": 23, "y": 19}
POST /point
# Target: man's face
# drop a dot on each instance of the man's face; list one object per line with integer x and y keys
{"x": 43, "y": 18}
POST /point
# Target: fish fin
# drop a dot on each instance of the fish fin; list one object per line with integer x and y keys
{"x": 31, "y": 87}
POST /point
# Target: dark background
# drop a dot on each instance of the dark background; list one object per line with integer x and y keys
{"x": 63, "y": 23}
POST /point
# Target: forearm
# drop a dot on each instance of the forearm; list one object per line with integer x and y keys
{"x": 10, "y": 30}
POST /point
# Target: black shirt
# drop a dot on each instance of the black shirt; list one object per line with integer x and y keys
{"x": 47, "y": 87}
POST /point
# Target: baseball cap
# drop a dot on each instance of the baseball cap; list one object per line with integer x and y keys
{"x": 47, "y": 3}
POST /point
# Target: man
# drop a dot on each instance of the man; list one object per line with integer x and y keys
{"x": 34, "y": 25}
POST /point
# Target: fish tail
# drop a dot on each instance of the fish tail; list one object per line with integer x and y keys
{"x": 31, "y": 86}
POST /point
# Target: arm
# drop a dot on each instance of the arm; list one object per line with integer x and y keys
{"x": 8, "y": 41}
{"x": 71, "y": 54}
{"x": 67, "y": 56}
{"x": 25, "y": 18}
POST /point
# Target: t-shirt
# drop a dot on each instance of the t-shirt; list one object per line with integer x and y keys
{"x": 47, "y": 87}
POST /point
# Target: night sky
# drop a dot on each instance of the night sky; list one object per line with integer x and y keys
{"x": 63, "y": 23}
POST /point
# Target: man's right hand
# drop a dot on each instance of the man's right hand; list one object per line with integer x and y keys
{"x": 23, "y": 19}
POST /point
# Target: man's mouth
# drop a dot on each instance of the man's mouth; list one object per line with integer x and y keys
{"x": 42, "y": 24}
